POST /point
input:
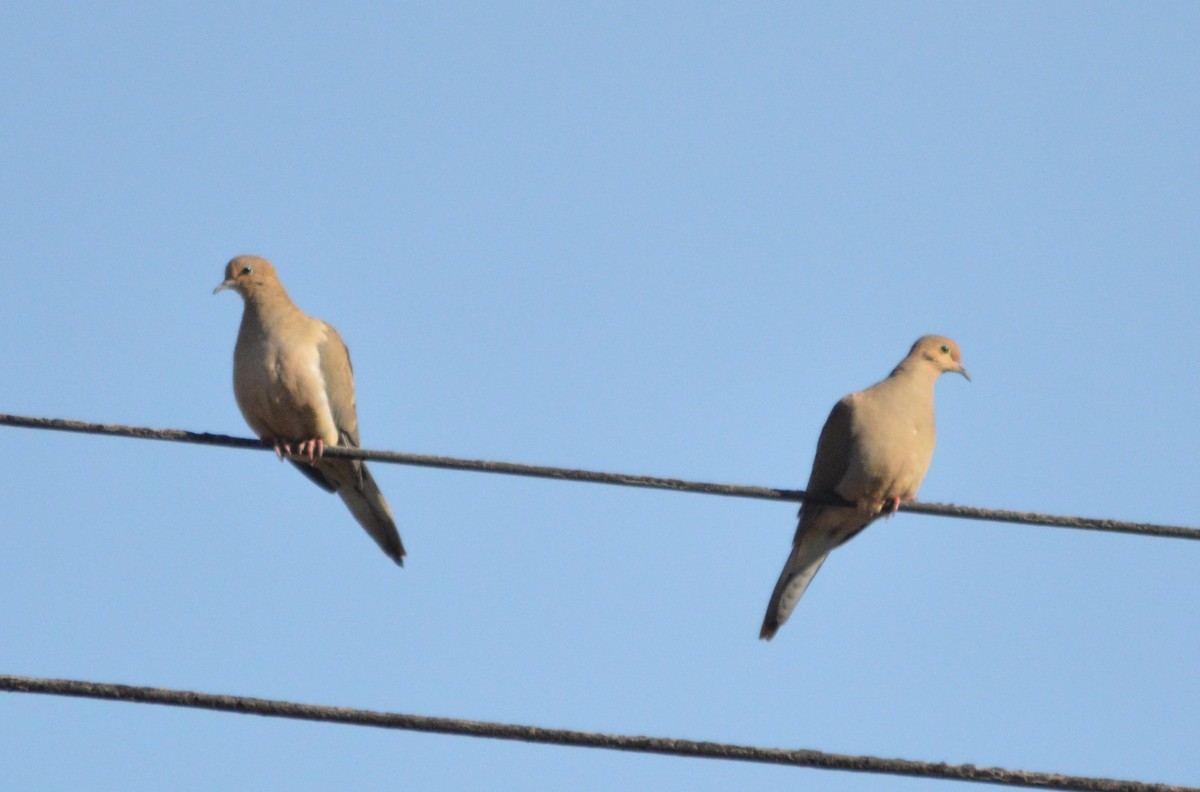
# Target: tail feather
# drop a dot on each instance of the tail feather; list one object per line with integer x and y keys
{"x": 371, "y": 509}
{"x": 820, "y": 531}
{"x": 797, "y": 573}
{"x": 314, "y": 475}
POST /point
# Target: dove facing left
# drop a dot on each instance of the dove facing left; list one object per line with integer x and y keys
{"x": 294, "y": 384}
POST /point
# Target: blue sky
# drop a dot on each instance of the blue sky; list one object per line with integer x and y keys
{"x": 652, "y": 238}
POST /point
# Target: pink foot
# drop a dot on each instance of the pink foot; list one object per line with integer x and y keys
{"x": 282, "y": 449}
{"x": 894, "y": 503}
{"x": 312, "y": 449}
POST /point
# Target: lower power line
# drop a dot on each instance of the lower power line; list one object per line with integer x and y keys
{"x": 578, "y": 739}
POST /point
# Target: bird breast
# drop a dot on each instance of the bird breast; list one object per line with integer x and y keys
{"x": 892, "y": 458}
{"x": 279, "y": 385}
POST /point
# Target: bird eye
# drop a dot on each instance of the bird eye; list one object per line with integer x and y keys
{"x": 248, "y": 270}
{"x": 945, "y": 349}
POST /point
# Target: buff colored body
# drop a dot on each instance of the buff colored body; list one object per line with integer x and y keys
{"x": 294, "y": 384}
{"x": 873, "y": 452}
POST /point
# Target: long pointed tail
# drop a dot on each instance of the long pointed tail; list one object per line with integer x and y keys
{"x": 797, "y": 573}
{"x": 371, "y": 509}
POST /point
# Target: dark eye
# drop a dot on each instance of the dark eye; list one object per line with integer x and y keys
{"x": 248, "y": 270}
{"x": 944, "y": 347}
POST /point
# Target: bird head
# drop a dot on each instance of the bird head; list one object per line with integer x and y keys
{"x": 942, "y": 352}
{"x": 247, "y": 275}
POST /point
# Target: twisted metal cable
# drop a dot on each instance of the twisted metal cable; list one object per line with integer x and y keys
{"x": 618, "y": 479}
{"x": 579, "y": 739}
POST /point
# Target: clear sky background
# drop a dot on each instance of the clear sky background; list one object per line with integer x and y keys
{"x": 650, "y": 238}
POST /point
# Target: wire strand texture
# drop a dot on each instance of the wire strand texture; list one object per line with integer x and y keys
{"x": 618, "y": 479}
{"x": 578, "y": 739}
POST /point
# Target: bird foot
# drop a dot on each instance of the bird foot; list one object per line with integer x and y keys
{"x": 893, "y": 504}
{"x": 312, "y": 448}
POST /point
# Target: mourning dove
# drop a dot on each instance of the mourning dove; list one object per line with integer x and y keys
{"x": 293, "y": 381}
{"x": 873, "y": 452}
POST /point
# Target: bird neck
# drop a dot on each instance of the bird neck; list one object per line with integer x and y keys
{"x": 268, "y": 305}
{"x": 916, "y": 373}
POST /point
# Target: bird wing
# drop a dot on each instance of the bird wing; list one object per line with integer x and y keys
{"x": 832, "y": 459}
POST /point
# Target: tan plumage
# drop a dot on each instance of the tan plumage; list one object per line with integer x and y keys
{"x": 294, "y": 384}
{"x": 874, "y": 450}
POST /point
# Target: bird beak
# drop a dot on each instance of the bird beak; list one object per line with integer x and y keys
{"x": 223, "y": 285}
{"x": 963, "y": 371}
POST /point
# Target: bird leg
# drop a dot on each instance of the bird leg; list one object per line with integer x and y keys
{"x": 312, "y": 448}
{"x": 894, "y": 502}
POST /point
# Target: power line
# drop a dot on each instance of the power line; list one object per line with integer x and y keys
{"x": 579, "y": 739}
{"x": 533, "y": 734}
{"x": 619, "y": 479}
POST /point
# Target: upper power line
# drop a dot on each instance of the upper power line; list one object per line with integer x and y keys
{"x": 619, "y": 479}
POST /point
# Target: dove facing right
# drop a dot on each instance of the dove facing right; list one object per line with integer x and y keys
{"x": 873, "y": 452}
